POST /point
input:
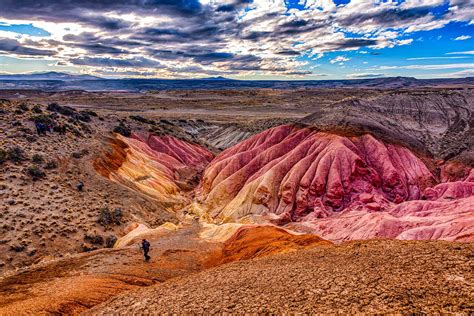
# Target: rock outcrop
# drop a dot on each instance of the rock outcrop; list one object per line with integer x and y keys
{"x": 288, "y": 172}
{"x": 337, "y": 187}
{"x": 162, "y": 167}
{"x": 435, "y": 121}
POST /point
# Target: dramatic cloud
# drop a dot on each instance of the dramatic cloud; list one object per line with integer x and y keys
{"x": 14, "y": 47}
{"x": 175, "y": 37}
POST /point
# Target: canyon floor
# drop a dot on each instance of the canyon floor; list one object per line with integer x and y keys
{"x": 281, "y": 201}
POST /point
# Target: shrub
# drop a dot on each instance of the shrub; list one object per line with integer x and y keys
{"x": 80, "y": 154}
{"x": 91, "y": 113}
{"x": 52, "y": 164}
{"x": 23, "y": 107}
{"x": 117, "y": 216}
{"x": 64, "y": 110}
{"x": 31, "y": 138}
{"x": 123, "y": 130}
{"x": 3, "y": 155}
{"x": 43, "y": 119}
{"x": 36, "y": 109}
{"x": 37, "y": 158}
{"x": 94, "y": 239}
{"x": 16, "y": 154}
{"x": 35, "y": 173}
{"x": 110, "y": 241}
{"x": 107, "y": 218}
{"x": 141, "y": 119}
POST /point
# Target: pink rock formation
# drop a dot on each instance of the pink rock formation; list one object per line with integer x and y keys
{"x": 291, "y": 171}
{"x": 169, "y": 147}
{"x": 160, "y": 166}
{"x": 338, "y": 187}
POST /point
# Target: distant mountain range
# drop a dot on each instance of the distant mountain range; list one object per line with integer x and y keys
{"x": 57, "y": 81}
{"x": 52, "y": 75}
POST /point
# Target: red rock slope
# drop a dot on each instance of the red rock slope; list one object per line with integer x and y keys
{"x": 290, "y": 174}
{"x": 160, "y": 166}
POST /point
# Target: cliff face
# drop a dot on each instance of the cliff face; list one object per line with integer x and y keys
{"x": 436, "y": 122}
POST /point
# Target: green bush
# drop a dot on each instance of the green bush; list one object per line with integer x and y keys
{"x": 3, "y": 156}
{"x": 123, "y": 130}
{"x": 16, "y": 154}
{"x": 35, "y": 173}
{"x": 52, "y": 164}
{"x": 107, "y": 218}
{"x": 36, "y": 109}
{"x": 37, "y": 158}
{"x": 23, "y": 107}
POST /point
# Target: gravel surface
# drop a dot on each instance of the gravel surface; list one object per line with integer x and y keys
{"x": 368, "y": 277}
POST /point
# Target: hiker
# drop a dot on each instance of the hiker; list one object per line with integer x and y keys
{"x": 80, "y": 186}
{"x": 146, "y": 248}
{"x": 40, "y": 129}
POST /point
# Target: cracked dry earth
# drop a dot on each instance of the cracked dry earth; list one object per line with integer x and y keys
{"x": 377, "y": 276}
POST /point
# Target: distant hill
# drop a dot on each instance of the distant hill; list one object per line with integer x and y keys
{"x": 52, "y": 75}
{"x": 56, "y": 81}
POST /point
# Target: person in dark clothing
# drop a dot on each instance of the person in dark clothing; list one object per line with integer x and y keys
{"x": 40, "y": 129}
{"x": 146, "y": 248}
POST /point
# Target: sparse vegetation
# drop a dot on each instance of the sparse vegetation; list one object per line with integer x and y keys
{"x": 108, "y": 218}
{"x": 36, "y": 109}
{"x": 84, "y": 116}
{"x": 43, "y": 119}
{"x": 94, "y": 239}
{"x": 16, "y": 154}
{"x": 110, "y": 241}
{"x": 52, "y": 164}
{"x": 24, "y": 107}
{"x": 35, "y": 173}
{"x": 141, "y": 119}
{"x": 80, "y": 154}
{"x": 3, "y": 155}
{"x": 123, "y": 130}
{"x": 37, "y": 159}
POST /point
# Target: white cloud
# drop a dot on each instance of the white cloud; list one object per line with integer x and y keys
{"x": 365, "y": 75}
{"x": 469, "y": 52}
{"x": 430, "y": 67}
{"x": 462, "y": 38}
{"x": 339, "y": 59}
{"x": 438, "y": 57}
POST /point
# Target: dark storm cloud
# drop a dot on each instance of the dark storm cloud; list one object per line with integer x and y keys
{"x": 140, "y": 62}
{"x": 190, "y": 34}
{"x": 97, "y": 48}
{"x": 393, "y": 16}
{"x": 348, "y": 43}
{"x": 288, "y": 52}
{"x": 299, "y": 73}
{"x": 75, "y": 11}
{"x": 12, "y": 46}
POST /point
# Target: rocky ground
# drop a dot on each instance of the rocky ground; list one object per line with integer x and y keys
{"x": 357, "y": 277}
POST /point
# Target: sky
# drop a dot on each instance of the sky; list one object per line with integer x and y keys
{"x": 240, "y": 39}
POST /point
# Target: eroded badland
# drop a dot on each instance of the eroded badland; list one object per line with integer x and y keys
{"x": 264, "y": 200}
